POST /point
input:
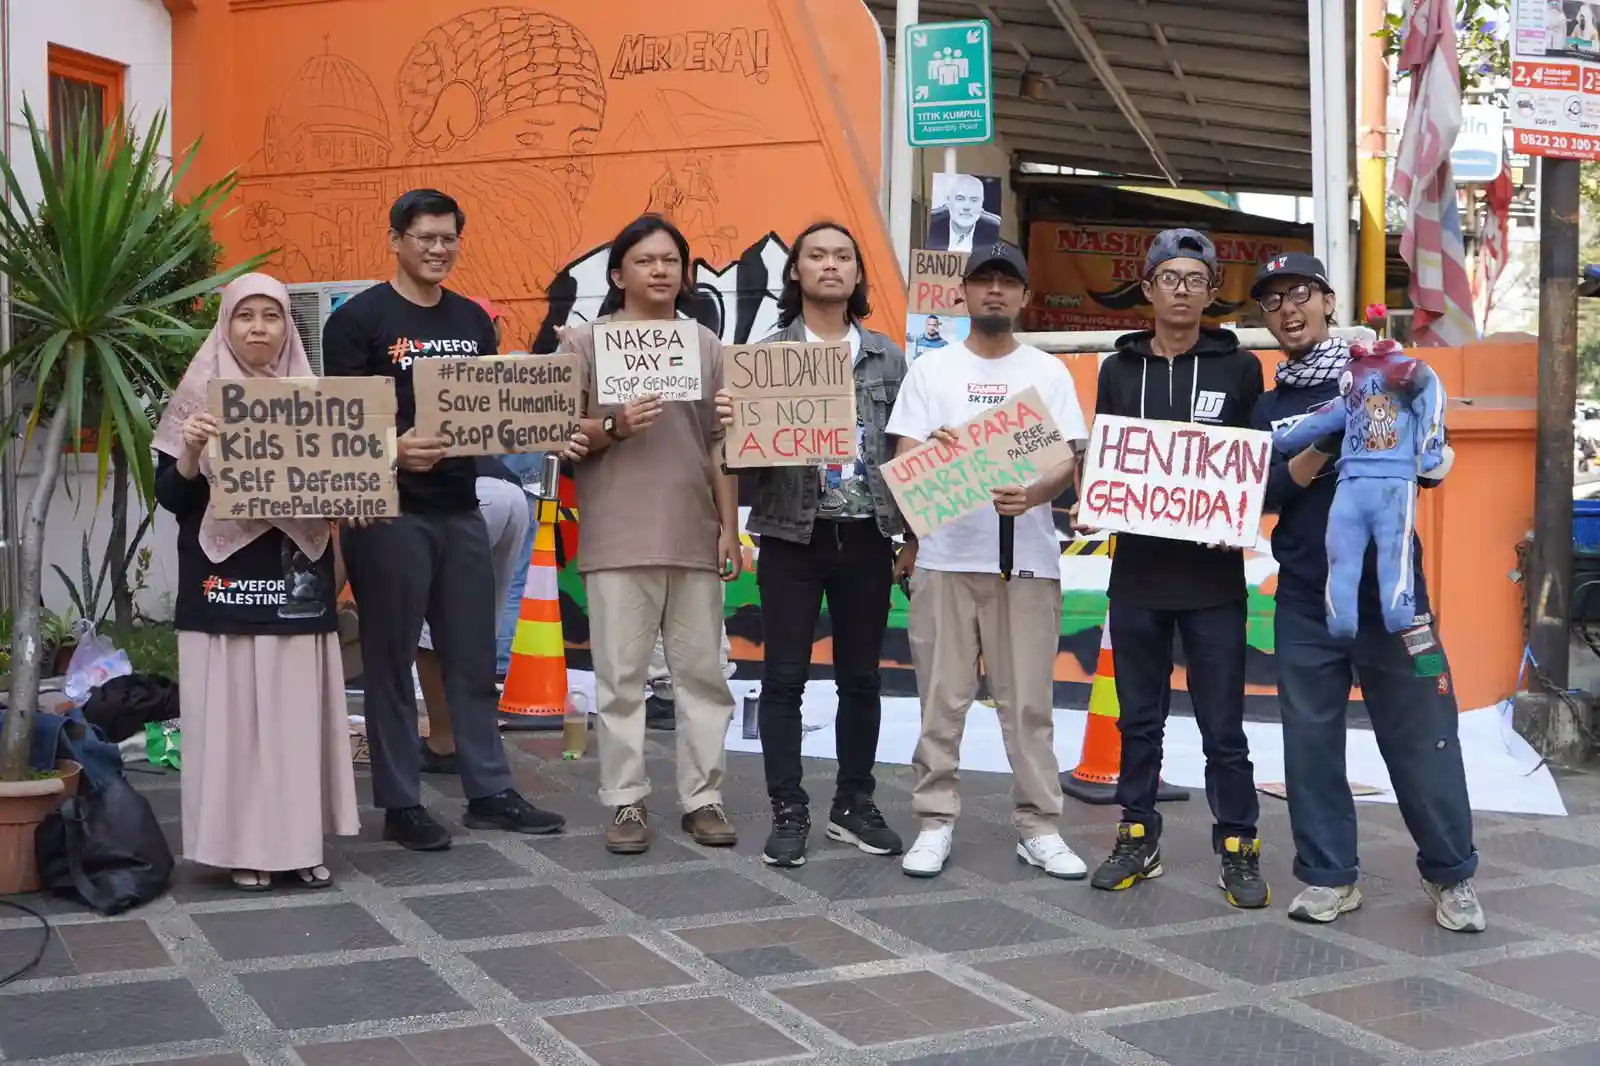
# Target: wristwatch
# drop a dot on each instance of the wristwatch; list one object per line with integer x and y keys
{"x": 609, "y": 424}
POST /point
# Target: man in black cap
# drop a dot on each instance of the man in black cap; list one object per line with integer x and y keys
{"x": 962, "y": 609}
{"x": 1181, "y": 371}
{"x": 1408, "y": 695}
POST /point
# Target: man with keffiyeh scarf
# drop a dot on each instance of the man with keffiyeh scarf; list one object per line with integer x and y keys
{"x": 1407, "y": 689}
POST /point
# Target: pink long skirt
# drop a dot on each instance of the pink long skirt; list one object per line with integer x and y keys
{"x": 266, "y": 750}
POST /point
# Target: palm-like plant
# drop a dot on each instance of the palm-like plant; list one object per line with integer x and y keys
{"x": 89, "y": 300}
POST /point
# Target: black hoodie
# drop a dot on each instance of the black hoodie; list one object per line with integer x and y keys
{"x": 1215, "y": 383}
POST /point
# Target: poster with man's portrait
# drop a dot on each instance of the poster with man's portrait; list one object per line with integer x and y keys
{"x": 929, "y": 333}
{"x": 966, "y": 212}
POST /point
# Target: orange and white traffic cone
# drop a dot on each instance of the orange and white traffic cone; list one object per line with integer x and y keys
{"x": 535, "y": 694}
{"x": 1094, "y": 779}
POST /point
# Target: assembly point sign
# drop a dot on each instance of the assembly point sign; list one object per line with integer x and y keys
{"x": 499, "y": 405}
{"x": 1176, "y": 480}
{"x": 793, "y": 405}
{"x": 302, "y": 448}
{"x": 1016, "y": 443}
{"x": 647, "y": 358}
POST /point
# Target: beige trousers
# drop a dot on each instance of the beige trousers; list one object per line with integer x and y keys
{"x": 956, "y": 620}
{"x": 627, "y": 610}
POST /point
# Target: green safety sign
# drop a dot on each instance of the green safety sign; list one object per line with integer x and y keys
{"x": 949, "y": 98}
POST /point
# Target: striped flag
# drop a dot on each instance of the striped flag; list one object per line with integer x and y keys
{"x": 1441, "y": 293}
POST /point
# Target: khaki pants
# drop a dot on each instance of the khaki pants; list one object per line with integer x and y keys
{"x": 1013, "y": 626}
{"x": 627, "y": 610}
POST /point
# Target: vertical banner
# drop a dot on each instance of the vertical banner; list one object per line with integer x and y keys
{"x": 966, "y": 213}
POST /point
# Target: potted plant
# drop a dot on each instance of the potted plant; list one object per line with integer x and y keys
{"x": 84, "y": 269}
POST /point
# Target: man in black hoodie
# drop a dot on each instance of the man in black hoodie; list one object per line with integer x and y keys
{"x": 1181, "y": 371}
{"x": 1405, "y": 678}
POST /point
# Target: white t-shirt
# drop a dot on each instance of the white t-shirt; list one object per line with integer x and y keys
{"x": 946, "y": 387}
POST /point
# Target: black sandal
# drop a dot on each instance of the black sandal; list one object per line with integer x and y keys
{"x": 318, "y": 876}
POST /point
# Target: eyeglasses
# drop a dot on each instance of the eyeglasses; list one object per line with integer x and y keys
{"x": 436, "y": 240}
{"x": 1172, "y": 281}
{"x": 1299, "y": 295}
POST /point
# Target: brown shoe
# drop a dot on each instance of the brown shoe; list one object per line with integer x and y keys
{"x": 710, "y": 827}
{"x": 629, "y": 832}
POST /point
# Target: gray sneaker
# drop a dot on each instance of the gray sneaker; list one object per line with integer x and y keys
{"x": 1456, "y": 906}
{"x": 1319, "y": 904}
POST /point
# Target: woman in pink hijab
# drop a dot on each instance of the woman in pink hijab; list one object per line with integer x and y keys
{"x": 266, "y": 741}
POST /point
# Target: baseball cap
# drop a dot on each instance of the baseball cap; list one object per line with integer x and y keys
{"x": 1292, "y": 265}
{"x": 1180, "y": 244}
{"x": 1000, "y": 253}
{"x": 488, "y": 307}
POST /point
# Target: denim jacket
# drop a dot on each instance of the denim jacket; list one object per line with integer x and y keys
{"x": 787, "y": 496}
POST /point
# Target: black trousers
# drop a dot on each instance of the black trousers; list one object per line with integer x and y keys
{"x": 433, "y": 566}
{"x": 1214, "y": 648}
{"x": 850, "y": 563}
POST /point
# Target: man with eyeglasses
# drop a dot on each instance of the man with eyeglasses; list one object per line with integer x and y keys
{"x": 1408, "y": 696}
{"x": 433, "y": 561}
{"x": 1181, "y": 371}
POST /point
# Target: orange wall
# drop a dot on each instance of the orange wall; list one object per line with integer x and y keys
{"x": 554, "y": 122}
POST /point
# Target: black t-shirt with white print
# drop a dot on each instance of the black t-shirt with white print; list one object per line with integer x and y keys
{"x": 379, "y": 333}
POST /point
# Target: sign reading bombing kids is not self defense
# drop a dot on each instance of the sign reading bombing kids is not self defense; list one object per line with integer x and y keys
{"x": 1177, "y": 480}
{"x": 639, "y": 358}
{"x": 302, "y": 448}
{"x": 793, "y": 405}
{"x": 1016, "y": 443}
{"x": 499, "y": 405}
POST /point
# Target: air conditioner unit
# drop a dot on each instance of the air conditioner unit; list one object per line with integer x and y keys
{"x": 310, "y": 304}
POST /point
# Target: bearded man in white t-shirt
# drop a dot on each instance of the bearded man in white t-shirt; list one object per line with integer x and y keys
{"x": 962, "y": 608}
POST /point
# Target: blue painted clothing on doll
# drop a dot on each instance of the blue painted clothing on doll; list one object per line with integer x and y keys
{"x": 1391, "y": 410}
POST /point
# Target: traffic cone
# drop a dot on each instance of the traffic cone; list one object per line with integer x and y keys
{"x": 1094, "y": 779}
{"x": 535, "y": 694}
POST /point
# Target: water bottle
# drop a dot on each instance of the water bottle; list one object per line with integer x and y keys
{"x": 575, "y": 727}
{"x": 752, "y": 718}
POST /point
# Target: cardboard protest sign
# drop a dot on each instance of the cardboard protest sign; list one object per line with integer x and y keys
{"x": 303, "y": 448}
{"x": 1179, "y": 480}
{"x": 793, "y": 405}
{"x": 635, "y": 358}
{"x": 499, "y": 405}
{"x": 936, "y": 284}
{"x": 1016, "y": 443}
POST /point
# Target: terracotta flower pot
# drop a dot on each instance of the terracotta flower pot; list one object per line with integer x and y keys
{"x": 23, "y": 805}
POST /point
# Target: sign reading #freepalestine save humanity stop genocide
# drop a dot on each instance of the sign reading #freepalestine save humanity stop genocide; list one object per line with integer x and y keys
{"x": 793, "y": 405}
{"x": 499, "y": 405}
{"x": 1016, "y": 443}
{"x": 1178, "y": 480}
{"x": 302, "y": 448}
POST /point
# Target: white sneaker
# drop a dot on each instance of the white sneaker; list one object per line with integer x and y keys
{"x": 1317, "y": 903}
{"x": 927, "y": 856}
{"x": 1456, "y": 907}
{"x": 1051, "y": 854}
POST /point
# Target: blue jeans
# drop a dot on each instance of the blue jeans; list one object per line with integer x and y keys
{"x": 1414, "y": 719}
{"x": 521, "y": 466}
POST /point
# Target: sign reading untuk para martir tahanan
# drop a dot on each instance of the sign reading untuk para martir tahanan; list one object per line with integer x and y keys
{"x": 302, "y": 448}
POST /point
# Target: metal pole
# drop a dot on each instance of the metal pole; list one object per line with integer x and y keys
{"x": 1372, "y": 86}
{"x": 900, "y": 152}
{"x": 1553, "y": 729}
{"x": 10, "y": 459}
{"x": 1330, "y": 143}
{"x": 950, "y": 165}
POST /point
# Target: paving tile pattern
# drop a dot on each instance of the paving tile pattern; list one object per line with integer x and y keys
{"x": 512, "y": 951}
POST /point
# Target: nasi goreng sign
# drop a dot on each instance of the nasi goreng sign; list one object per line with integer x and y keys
{"x": 1179, "y": 480}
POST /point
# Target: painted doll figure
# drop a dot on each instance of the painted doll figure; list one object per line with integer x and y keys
{"x": 1390, "y": 411}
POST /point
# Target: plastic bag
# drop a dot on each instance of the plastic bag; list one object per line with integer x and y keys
{"x": 164, "y": 744}
{"x": 94, "y": 662}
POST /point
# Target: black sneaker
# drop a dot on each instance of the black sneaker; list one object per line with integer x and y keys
{"x": 786, "y": 844}
{"x": 414, "y": 829}
{"x": 1241, "y": 876}
{"x": 1135, "y": 858}
{"x": 660, "y": 714}
{"x": 435, "y": 763}
{"x": 509, "y": 811}
{"x": 859, "y": 822}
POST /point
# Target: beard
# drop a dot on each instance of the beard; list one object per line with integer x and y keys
{"x": 992, "y": 325}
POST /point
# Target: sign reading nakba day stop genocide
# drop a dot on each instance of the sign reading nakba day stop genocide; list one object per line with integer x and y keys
{"x": 648, "y": 358}
{"x": 1178, "y": 480}
{"x": 499, "y": 405}
{"x": 302, "y": 448}
{"x": 1016, "y": 443}
{"x": 793, "y": 405}
{"x": 936, "y": 283}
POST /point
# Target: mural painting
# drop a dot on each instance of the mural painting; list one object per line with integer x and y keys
{"x": 554, "y": 123}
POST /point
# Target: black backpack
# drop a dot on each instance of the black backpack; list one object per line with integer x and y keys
{"x": 123, "y": 705}
{"x": 104, "y": 848}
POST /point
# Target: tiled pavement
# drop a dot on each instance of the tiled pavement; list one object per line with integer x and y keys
{"x": 509, "y": 950}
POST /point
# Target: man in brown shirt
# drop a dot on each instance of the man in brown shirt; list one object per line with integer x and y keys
{"x": 660, "y": 535}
